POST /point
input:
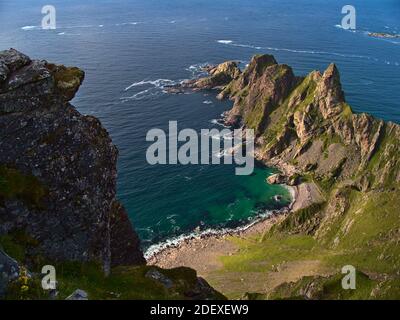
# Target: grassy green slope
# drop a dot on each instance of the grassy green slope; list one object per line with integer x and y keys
{"x": 358, "y": 225}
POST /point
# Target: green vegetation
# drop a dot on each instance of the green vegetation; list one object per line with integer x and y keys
{"x": 16, "y": 244}
{"x": 299, "y": 221}
{"x": 365, "y": 236}
{"x": 324, "y": 288}
{"x": 123, "y": 283}
{"x": 65, "y": 74}
{"x": 16, "y": 185}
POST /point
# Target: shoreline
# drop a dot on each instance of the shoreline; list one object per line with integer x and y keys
{"x": 155, "y": 252}
{"x": 165, "y": 254}
{"x": 182, "y": 250}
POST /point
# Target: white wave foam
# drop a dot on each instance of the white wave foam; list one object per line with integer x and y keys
{"x": 68, "y": 34}
{"x": 151, "y": 88}
{"x": 155, "y": 87}
{"x": 207, "y": 102}
{"x": 176, "y": 241}
{"x": 197, "y": 70}
{"x": 127, "y": 23}
{"x": 225, "y": 41}
{"x": 26, "y": 28}
{"x": 142, "y": 95}
{"x": 313, "y": 52}
{"x": 159, "y": 83}
{"x": 218, "y": 122}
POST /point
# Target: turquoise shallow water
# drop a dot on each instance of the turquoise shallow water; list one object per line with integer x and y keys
{"x": 151, "y": 43}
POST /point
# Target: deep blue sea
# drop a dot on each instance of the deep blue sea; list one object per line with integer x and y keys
{"x": 130, "y": 49}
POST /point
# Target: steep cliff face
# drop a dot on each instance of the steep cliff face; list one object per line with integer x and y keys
{"x": 57, "y": 197}
{"x": 57, "y": 170}
{"x": 347, "y": 166}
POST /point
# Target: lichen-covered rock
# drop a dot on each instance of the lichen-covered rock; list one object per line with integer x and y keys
{"x": 58, "y": 169}
{"x": 9, "y": 271}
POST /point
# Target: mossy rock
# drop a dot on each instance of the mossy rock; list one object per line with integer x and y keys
{"x": 67, "y": 79}
{"x": 16, "y": 185}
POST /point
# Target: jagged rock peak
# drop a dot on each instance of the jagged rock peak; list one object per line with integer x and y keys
{"x": 330, "y": 93}
{"x": 259, "y": 63}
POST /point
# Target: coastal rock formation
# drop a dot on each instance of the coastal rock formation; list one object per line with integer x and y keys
{"x": 305, "y": 123}
{"x": 346, "y": 169}
{"x": 220, "y": 75}
{"x": 57, "y": 170}
{"x": 383, "y": 35}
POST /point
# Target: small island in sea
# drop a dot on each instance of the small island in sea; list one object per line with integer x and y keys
{"x": 383, "y": 35}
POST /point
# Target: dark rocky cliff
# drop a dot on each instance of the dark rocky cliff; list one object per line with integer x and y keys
{"x": 57, "y": 198}
{"x": 58, "y": 169}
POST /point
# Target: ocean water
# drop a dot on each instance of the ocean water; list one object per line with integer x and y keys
{"x": 131, "y": 49}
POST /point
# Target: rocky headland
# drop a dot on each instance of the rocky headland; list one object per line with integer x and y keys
{"x": 345, "y": 169}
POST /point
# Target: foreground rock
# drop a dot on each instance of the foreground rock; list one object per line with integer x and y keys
{"x": 58, "y": 170}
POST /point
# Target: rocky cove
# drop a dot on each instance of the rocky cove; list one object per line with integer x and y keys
{"x": 331, "y": 157}
{"x": 58, "y": 203}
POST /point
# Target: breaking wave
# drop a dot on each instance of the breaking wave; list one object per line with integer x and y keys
{"x": 312, "y": 52}
{"x": 225, "y": 41}
{"x": 26, "y": 28}
{"x": 197, "y": 234}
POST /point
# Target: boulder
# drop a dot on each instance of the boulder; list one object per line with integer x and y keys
{"x": 78, "y": 294}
